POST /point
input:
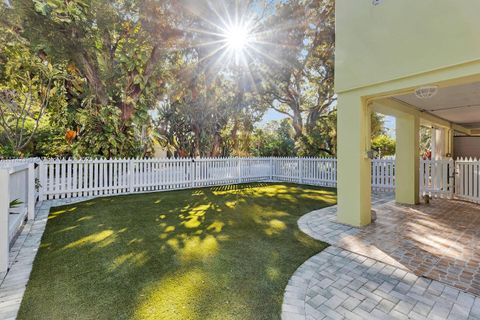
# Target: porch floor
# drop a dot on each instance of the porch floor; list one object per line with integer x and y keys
{"x": 439, "y": 241}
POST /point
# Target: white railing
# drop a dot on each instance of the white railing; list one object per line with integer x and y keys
{"x": 17, "y": 183}
{"x": 467, "y": 179}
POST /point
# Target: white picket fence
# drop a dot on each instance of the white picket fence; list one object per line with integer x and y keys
{"x": 447, "y": 178}
{"x": 467, "y": 179}
{"x": 5, "y": 163}
{"x": 65, "y": 178}
{"x": 96, "y": 177}
{"x": 383, "y": 175}
{"x": 60, "y": 178}
{"x": 437, "y": 178}
{"x": 312, "y": 171}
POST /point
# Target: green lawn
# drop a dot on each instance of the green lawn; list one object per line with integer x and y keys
{"x": 212, "y": 253}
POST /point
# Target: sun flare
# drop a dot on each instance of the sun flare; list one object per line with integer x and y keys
{"x": 231, "y": 37}
{"x": 237, "y": 37}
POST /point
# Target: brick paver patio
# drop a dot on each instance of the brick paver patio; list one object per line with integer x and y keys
{"x": 440, "y": 241}
{"x": 339, "y": 284}
{"x": 385, "y": 270}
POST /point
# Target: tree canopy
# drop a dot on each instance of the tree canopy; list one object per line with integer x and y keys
{"x": 195, "y": 78}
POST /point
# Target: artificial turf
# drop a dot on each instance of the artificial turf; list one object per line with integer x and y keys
{"x": 212, "y": 253}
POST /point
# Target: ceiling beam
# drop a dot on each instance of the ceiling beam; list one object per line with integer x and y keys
{"x": 397, "y": 108}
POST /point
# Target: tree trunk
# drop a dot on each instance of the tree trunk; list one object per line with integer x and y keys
{"x": 91, "y": 72}
{"x": 233, "y": 136}
{"x": 297, "y": 123}
{"x": 196, "y": 148}
{"x": 216, "y": 146}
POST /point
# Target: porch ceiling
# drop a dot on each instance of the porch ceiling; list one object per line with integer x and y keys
{"x": 459, "y": 104}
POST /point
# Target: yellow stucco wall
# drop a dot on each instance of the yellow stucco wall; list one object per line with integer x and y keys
{"x": 386, "y": 50}
{"x": 402, "y": 38}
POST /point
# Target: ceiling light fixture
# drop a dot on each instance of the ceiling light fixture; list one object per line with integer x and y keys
{"x": 426, "y": 92}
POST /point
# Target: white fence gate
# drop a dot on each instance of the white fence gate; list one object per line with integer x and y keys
{"x": 467, "y": 179}
{"x": 451, "y": 179}
{"x": 436, "y": 178}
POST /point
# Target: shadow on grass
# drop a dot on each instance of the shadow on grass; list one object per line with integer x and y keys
{"x": 213, "y": 253}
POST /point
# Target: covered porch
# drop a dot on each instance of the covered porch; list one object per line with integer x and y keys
{"x": 449, "y": 106}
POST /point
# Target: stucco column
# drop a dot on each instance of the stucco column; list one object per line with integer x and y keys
{"x": 354, "y": 168}
{"x": 407, "y": 159}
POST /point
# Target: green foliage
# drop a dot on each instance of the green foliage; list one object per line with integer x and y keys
{"x": 425, "y": 139}
{"x": 49, "y": 141}
{"x": 384, "y": 145}
{"x": 276, "y": 139}
{"x": 118, "y": 60}
{"x": 115, "y": 78}
{"x": 377, "y": 125}
{"x": 30, "y": 84}
{"x": 298, "y": 74}
{"x": 321, "y": 139}
{"x": 15, "y": 203}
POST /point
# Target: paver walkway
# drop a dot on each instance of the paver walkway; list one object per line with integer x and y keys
{"x": 339, "y": 284}
{"x": 369, "y": 273}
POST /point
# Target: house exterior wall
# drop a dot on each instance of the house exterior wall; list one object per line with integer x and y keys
{"x": 397, "y": 39}
{"x": 390, "y": 49}
{"x": 466, "y": 147}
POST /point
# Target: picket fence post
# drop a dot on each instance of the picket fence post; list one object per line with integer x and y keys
{"x": 451, "y": 176}
{"x": 271, "y": 168}
{"x": 300, "y": 170}
{"x": 31, "y": 191}
{"x": 130, "y": 176}
{"x": 239, "y": 170}
{"x": 43, "y": 181}
{"x": 192, "y": 173}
